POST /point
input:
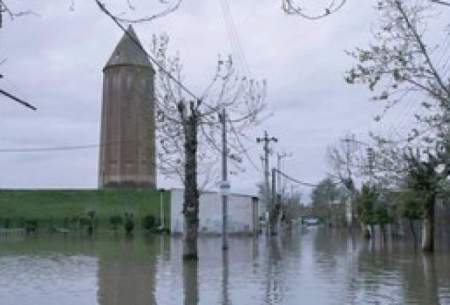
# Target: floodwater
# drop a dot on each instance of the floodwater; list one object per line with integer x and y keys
{"x": 305, "y": 266}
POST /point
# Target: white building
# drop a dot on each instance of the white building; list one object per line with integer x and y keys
{"x": 242, "y": 213}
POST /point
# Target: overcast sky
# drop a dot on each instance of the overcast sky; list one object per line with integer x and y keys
{"x": 55, "y": 62}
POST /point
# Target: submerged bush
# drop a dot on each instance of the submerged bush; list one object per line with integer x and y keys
{"x": 150, "y": 223}
{"x": 89, "y": 221}
{"x": 129, "y": 223}
{"x": 6, "y": 223}
{"x": 115, "y": 221}
{"x": 31, "y": 225}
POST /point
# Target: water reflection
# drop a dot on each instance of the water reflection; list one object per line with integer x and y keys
{"x": 126, "y": 273}
{"x": 225, "y": 279}
{"x": 190, "y": 283}
{"x": 313, "y": 266}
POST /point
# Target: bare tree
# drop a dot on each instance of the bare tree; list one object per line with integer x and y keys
{"x": 12, "y": 13}
{"x": 299, "y": 8}
{"x": 135, "y": 11}
{"x": 343, "y": 160}
{"x": 327, "y": 7}
{"x": 188, "y": 129}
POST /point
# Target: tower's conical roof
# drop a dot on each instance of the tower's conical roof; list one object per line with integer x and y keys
{"x": 127, "y": 52}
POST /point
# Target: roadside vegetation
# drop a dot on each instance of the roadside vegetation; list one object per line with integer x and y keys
{"x": 83, "y": 210}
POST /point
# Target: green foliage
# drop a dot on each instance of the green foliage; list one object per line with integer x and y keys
{"x": 7, "y": 223}
{"x": 31, "y": 225}
{"x": 382, "y": 215}
{"x": 68, "y": 208}
{"x": 324, "y": 197}
{"x": 91, "y": 214}
{"x": 366, "y": 203}
{"x": 115, "y": 221}
{"x": 411, "y": 206}
{"x": 129, "y": 223}
{"x": 150, "y": 223}
{"x": 324, "y": 193}
{"x": 373, "y": 207}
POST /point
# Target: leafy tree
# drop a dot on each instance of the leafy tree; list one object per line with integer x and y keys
{"x": 324, "y": 195}
{"x": 397, "y": 63}
{"x": 373, "y": 209}
{"x": 411, "y": 208}
{"x": 344, "y": 162}
{"x": 366, "y": 205}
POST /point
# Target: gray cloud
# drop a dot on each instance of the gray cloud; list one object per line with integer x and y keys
{"x": 55, "y": 62}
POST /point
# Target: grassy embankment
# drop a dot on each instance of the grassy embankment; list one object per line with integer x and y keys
{"x": 60, "y": 207}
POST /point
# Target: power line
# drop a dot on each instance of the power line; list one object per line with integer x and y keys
{"x": 233, "y": 35}
{"x": 406, "y": 114}
{"x": 18, "y": 100}
{"x": 297, "y": 181}
{"x": 58, "y": 148}
{"x": 133, "y": 39}
{"x": 244, "y": 150}
{"x": 47, "y": 149}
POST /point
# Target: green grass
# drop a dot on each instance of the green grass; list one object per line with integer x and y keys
{"x": 53, "y": 206}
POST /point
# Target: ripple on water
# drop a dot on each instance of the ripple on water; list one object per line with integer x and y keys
{"x": 47, "y": 280}
{"x": 318, "y": 267}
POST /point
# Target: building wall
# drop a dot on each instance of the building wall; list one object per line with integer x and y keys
{"x": 242, "y": 213}
{"x": 127, "y": 152}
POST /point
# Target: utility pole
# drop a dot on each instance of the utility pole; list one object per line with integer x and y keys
{"x": 266, "y": 140}
{"x": 225, "y": 185}
{"x": 273, "y": 206}
{"x": 279, "y": 159}
{"x": 1, "y": 14}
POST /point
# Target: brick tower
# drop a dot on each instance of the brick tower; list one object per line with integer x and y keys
{"x": 127, "y": 150}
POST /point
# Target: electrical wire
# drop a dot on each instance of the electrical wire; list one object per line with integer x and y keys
{"x": 297, "y": 181}
{"x": 233, "y": 35}
{"x": 133, "y": 39}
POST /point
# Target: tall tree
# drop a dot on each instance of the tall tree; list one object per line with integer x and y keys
{"x": 344, "y": 161}
{"x": 323, "y": 196}
{"x": 188, "y": 128}
{"x": 398, "y": 62}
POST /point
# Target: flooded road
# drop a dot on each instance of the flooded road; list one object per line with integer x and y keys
{"x": 316, "y": 266}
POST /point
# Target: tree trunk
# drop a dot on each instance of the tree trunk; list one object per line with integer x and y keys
{"x": 366, "y": 231}
{"x": 274, "y": 217}
{"x": 383, "y": 233}
{"x": 191, "y": 195}
{"x": 190, "y": 283}
{"x": 428, "y": 226}
{"x": 413, "y": 232}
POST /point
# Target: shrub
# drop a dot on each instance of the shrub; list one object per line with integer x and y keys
{"x": 150, "y": 223}
{"x": 66, "y": 222}
{"x": 31, "y": 225}
{"x": 7, "y": 223}
{"x": 129, "y": 223}
{"x": 115, "y": 221}
{"x": 89, "y": 220}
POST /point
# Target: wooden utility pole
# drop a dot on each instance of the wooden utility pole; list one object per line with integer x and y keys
{"x": 225, "y": 185}
{"x": 266, "y": 140}
{"x": 280, "y": 157}
{"x": 273, "y": 205}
